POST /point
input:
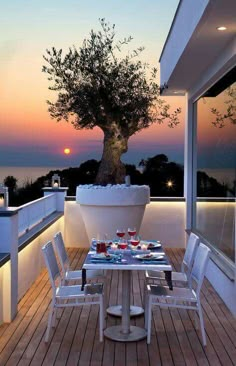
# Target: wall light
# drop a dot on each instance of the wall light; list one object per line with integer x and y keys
{"x": 56, "y": 181}
{"x": 169, "y": 184}
{"x": 221, "y": 28}
{"x": 3, "y": 196}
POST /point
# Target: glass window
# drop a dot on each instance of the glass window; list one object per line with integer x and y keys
{"x": 216, "y": 165}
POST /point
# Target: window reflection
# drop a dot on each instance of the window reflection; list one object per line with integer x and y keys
{"x": 216, "y": 166}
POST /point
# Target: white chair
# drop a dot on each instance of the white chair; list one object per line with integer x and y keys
{"x": 71, "y": 295}
{"x": 76, "y": 275}
{"x": 186, "y": 266}
{"x": 180, "y": 297}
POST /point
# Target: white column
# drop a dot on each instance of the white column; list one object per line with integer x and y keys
{"x": 190, "y": 159}
{"x": 9, "y": 244}
{"x": 60, "y": 193}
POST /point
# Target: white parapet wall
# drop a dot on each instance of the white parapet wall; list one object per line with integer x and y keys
{"x": 30, "y": 259}
{"x": 74, "y": 233}
{"x": 5, "y": 274}
{"x": 164, "y": 221}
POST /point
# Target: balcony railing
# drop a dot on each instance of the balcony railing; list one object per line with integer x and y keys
{"x": 32, "y": 213}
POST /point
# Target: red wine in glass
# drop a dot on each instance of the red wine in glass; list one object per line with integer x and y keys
{"x": 135, "y": 240}
{"x": 101, "y": 247}
{"x": 120, "y": 233}
{"x": 122, "y": 244}
{"x": 131, "y": 231}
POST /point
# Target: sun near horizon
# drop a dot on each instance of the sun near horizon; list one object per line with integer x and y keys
{"x": 67, "y": 151}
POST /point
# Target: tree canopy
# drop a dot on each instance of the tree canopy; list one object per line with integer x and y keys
{"x": 97, "y": 86}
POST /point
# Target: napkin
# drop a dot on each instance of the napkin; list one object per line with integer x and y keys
{"x": 129, "y": 251}
{"x": 160, "y": 261}
{"x": 102, "y": 260}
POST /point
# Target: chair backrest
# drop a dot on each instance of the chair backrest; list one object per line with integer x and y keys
{"x": 190, "y": 252}
{"x": 51, "y": 263}
{"x": 200, "y": 265}
{"x": 61, "y": 251}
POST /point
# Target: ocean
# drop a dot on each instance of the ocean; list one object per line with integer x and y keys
{"x": 24, "y": 174}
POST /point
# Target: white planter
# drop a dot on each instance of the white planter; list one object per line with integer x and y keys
{"x": 105, "y": 209}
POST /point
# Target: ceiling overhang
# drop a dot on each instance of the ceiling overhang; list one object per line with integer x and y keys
{"x": 204, "y": 46}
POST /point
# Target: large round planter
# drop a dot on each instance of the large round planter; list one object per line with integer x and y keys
{"x": 105, "y": 209}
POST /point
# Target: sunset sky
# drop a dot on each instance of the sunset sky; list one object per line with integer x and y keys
{"x": 28, "y": 136}
{"x": 27, "y": 28}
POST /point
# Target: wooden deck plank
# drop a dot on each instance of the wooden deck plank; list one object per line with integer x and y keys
{"x": 75, "y": 339}
{"x": 12, "y": 327}
{"x": 12, "y": 349}
{"x": 159, "y": 329}
{"x": 195, "y": 343}
{"x": 172, "y": 338}
{"x": 31, "y": 327}
{"x": 120, "y": 354}
{"x": 183, "y": 340}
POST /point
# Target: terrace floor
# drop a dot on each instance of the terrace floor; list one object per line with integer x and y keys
{"x": 74, "y": 341}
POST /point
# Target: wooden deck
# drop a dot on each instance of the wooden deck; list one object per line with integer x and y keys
{"x": 74, "y": 341}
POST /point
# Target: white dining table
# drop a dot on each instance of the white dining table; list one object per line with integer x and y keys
{"x": 126, "y": 332}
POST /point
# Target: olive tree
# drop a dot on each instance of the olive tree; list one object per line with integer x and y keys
{"x": 97, "y": 86}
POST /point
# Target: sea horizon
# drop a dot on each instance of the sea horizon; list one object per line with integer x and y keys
{"x": 25, "y": 174}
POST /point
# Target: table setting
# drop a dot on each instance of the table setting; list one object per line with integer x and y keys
{"x": 126, "y": 255}
{"x": 122, "y": 251}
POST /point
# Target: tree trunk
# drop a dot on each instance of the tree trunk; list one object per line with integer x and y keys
{"x": 111, "y": 169}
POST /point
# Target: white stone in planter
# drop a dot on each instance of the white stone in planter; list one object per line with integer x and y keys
{"x": 105, "y": 209}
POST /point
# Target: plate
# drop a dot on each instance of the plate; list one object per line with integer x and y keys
{"x": 154, "y": 245}
{"x": 150, "y": 257}
{"x": 102, "y": 256}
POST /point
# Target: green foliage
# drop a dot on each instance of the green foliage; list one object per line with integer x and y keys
{"x": 164, "y": 178}
{"x": 210, "y": 187}
{"x": 230, "y": 112}
{"x": 10, "y": 182}
{"x": 97, "y": 86}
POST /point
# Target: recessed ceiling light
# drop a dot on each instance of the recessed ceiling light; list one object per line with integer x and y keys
{"x": 221, "y": 28}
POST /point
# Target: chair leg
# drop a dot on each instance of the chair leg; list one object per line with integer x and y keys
{"x": 50, "y": 316}
{"x": 145, "y": 308}
{"x": 145, "y": 283}
{"x": 54, "y": 317}
{"x": 101, "y": 319}
{"x": 106, "y": 300}
{"x": 149, "y": 318}
{"x": 196, "y": 320}
{"x": 202, "y": 325}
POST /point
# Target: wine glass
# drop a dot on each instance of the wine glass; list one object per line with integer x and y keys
{"x": 123, "y": 244}
{"x": 120, "y": 233}
{"x": 135, "y": 240}
{"x": 132, "y": 232}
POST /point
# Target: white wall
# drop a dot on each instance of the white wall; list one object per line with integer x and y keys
{"x": 31, "y": 261}
{"x": 74, "y": 234}
{"x": 165, "y": 221}
{"x": 223, "y": 285}
{"x": 5, "y": 273}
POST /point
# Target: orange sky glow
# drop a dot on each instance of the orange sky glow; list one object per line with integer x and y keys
{"x": 28, "y": 135}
